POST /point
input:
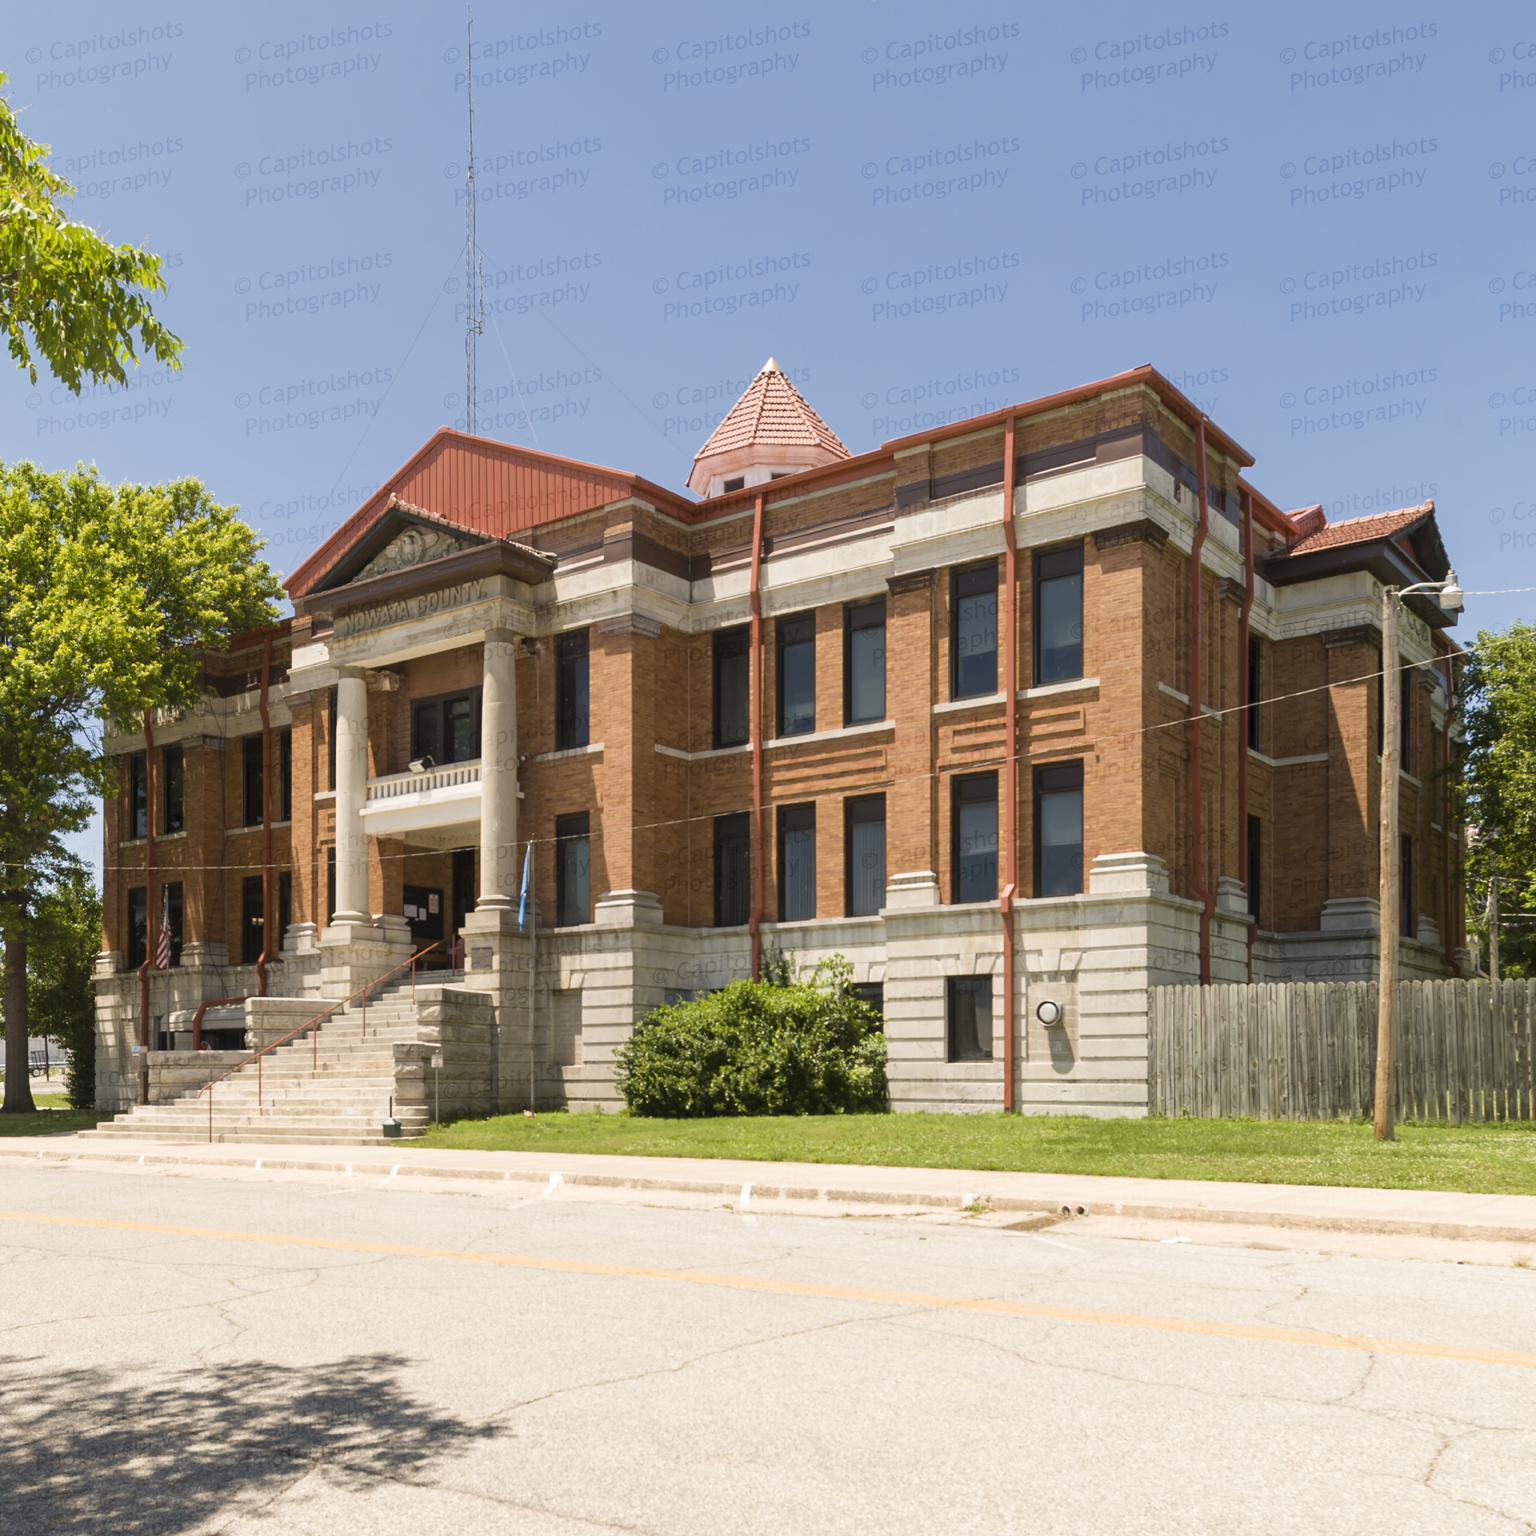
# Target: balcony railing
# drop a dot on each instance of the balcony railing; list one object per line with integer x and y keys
{"x": 393, "y": 785}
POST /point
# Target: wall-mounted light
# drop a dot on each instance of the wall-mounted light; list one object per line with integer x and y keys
{"x": 1049, "y": 1013}
{"x": 423, "y": 764}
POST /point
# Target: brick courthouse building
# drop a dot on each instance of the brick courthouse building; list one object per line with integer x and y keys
{"x": 838, "y": 703}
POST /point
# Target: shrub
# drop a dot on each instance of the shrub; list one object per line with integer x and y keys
{"x": 758, "y": 1048}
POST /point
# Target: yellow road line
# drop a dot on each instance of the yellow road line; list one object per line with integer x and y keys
{"x": 804, "y": 1288}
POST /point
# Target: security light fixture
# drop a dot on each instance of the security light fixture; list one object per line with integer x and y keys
{"x": 1049, "y": 1013}
{"x": 423, "y": 764}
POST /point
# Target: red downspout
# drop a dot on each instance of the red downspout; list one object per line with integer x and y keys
{"x": 1010, "y": 609}
{"x": 1447, "y": 940}
{"x": 149, "y": 906}
{"x": 1197, "y": 713}
{"x": 755, "y": 920}
{"x": 1242, "y": 746}
{"x": 266, "y": 821}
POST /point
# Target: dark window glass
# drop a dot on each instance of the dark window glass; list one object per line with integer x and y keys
{"x": 285, "y": 775}
{"x": 250, "y": 781}
{"x": 173, "y": 773}
{"x": 1059, "y": 615}
{"x": 968, "y": 1012}
{"x": 975, "y": 837}
{"x": 464, "y": 886}
{"x": 284, "y": 907}
{"x": 1255, "y": 864}
{"x": 573, "y": 869}
{"x": 1405, "y": 905}
{"x": 739, "y": 483}
{"x": 138, "y": 796}
{"x": 330, "y": 883}
{"x": 865, "y": 844}
{"x": 423, "y": 906}
{"x": 1255, "y": 690}
{"x": 572, "y": 693}
{"x": 797, "y": 675}
{"x": 797, "y": 863}
{"x": 426, "y": 730}
{"x": 461, "y": 735}
{"x": 1059, "y": 829}
{"x": 733, "y": 686}
{"x": 138, "y": 931}
{"x": 973, "y": 632}
{"x": 252, "y": 920}
{"x": 864, "y": 663}
{"x": 172, "y": 913}
{"x": 330, "y": 737}
{"x": 873, "y": 993}
{"x": 733, "y": 870}
{"x": 1405, "y": 718}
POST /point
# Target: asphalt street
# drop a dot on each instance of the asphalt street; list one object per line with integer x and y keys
{"x": 187, "y": 1354}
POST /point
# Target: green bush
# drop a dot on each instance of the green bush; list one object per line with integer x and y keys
{"x": 756, "y": 1048}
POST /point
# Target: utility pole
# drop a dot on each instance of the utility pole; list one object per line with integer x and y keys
{"x": 1449, "y": 596}
{"x": 1493, "y": 927}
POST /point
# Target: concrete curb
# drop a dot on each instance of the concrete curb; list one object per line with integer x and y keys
{"x": 960, "y": 1189}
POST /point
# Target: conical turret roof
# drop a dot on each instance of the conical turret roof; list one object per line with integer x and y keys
{"x": 771, "y": 414}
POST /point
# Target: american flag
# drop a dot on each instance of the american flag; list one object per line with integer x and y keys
{"x": 163, "y": 949}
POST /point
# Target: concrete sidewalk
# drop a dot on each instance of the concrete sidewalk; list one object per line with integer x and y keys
{"x": 830, "y": 1188}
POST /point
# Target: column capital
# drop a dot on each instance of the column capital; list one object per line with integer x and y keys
{"x": 501, "y": 635}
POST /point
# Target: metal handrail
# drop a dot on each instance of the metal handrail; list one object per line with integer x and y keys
{"x": 313, "y": 1024}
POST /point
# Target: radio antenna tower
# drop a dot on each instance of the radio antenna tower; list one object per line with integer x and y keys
{"x": 474, "y": 303}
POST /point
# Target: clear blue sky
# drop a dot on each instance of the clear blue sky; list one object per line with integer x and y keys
{"x": 1318, "y": 218}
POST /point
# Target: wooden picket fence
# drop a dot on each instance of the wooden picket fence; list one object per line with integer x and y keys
{"x": 1307, "y": 1050}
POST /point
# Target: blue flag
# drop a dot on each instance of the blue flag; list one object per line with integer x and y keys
{"x": 522, "y": 905}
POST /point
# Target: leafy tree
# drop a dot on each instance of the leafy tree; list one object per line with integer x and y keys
{"x": 61, "y": 956}
{"x": 1499, "y": 788}
{"x": 77, "y": 297}
{"x": 107, "y": 593}
{"x": 756, "y": 1048}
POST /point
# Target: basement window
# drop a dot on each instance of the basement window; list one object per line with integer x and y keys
{"x": 968, "y": 1017}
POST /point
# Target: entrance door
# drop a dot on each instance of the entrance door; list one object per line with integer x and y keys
{"x": 424, "y": 912}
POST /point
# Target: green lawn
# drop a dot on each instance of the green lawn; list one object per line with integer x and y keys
{"x": 1478, "y": 1159}
{"x": 53, "y": 1117}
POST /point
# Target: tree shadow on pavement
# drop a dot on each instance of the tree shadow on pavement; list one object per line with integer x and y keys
{"x": 97, "y": 1451}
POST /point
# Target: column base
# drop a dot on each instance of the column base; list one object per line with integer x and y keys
{"x": 352, "y": 954}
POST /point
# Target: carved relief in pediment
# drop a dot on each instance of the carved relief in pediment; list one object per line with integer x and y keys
{"x": 412, "y": 546}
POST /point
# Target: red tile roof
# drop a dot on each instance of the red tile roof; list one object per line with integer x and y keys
{"x": 1363, "y": 530}
{"x": 771, "y": 411}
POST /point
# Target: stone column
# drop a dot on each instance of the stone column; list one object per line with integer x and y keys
{"x": 500, "y": 869}
{"x": 351, "y": 796}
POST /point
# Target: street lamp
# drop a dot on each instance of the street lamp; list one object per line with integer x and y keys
{"x": 1449, "y": 596}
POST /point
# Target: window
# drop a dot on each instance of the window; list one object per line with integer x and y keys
{"x": 1255, "y": 690}
{"x": 138, "y": 796}
{"x": 464, "y": 886}
{"x": 733, "y": 870}
{"x": 1405, "y": 719}
{"x": 973, "y": 632}
{"x": 733, "y": 686}
{"x": 1255, "y": 865}
{"x": 968, "y": 1016}
{"x": 1405, "y": 921}
{"x": 330, "y": 883}
{"x": 253, "y": 922}
{"x": 864, "y": 663}
{"x": 797, "y": 674}
{"x": 797, "y": 863}
{"x": 285, "y": 776}
{"x": 330, "y": 737}
{"x": 173, "y": 770}
{"x": 138, "y": 932}
{"x": 1059, "y": 829}
{"x": 573, "y": 869}
{"x": 975, "y": 837}
{"x": 250, "y": 781}
{"x": 738, "y": 484}
{"x": 284, "y": 906}
{"x": 572, "y": 691}
{"x": 172, "y": 910}
{"x": 871, "y": 993}
{"x": 446, "y": 727}
{"x": 864, "y": 842}
{"x": 1059, "y": 615}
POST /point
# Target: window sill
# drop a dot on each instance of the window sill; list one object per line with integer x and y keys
{"x": 590, "y": 750}
{"x": 324, "y": 794}
{"x": 1183, "y": 698}
{"x": 981, "y": 701}
{"x": 236, "y": 831}
{"x": 1051, "y": 690}
{"x": 1286, "y": 762}
{"x": 694, "y": 757}
{"x": 160, "y": 837}
{"x": 864, "y": 729}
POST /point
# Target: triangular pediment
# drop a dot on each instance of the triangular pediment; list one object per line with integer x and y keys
{"x": 404, "y": 536}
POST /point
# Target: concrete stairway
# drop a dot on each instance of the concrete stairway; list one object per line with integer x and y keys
{"x": 333, "y": 1092}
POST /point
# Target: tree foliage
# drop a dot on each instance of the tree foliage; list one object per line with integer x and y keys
{"x": 107, "y": 593}
{"x": 61, "y": 955}
{"x": 1499, "y": 787}
{"x": 755, "y": 1048}
{"x": 66, "y": 294}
